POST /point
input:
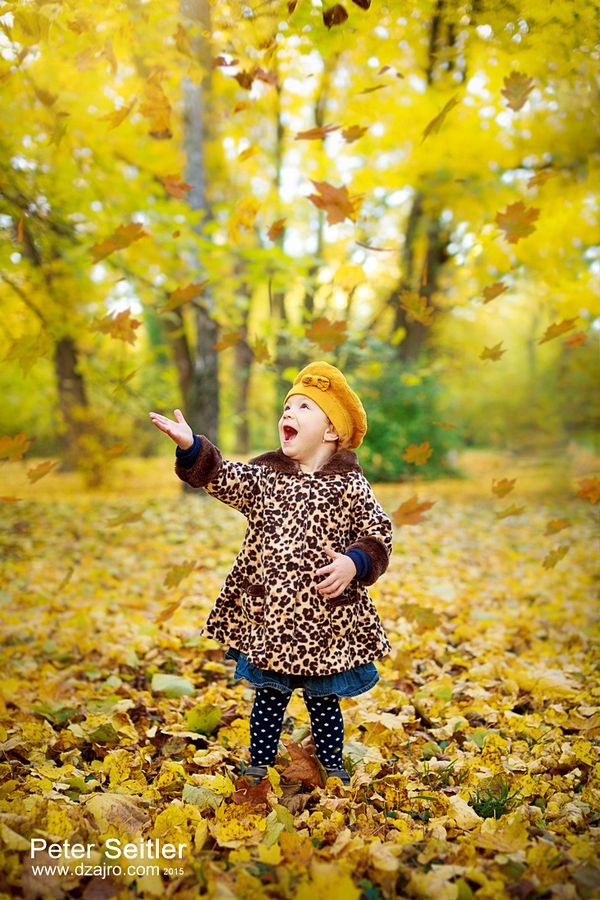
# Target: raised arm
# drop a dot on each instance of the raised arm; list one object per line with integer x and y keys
{"x": 373, "y": 531}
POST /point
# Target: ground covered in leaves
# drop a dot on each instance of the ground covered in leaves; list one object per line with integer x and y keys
{"x": 474, "y": 760}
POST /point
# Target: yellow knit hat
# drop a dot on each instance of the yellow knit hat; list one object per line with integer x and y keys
{"x": 326, "y": 385}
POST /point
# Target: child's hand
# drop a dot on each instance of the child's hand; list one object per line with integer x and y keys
{"x": 342, "y": 570}
{"x": 180, "y": 431}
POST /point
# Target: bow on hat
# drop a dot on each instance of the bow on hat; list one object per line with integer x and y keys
{"x": 320, "y": 381}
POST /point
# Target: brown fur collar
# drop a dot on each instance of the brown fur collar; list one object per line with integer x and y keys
{"x": 340, "y": 463}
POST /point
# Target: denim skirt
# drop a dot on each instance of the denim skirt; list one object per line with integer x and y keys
{"x": 343, "y": 684}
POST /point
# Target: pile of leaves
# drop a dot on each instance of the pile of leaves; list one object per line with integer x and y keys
{"x": 472, "y": 760}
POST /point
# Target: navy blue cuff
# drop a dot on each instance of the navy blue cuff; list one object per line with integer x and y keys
{"x": 361, "y": 560}
{"x": 187, "y": 458}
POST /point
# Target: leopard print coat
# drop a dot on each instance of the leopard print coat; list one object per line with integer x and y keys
{"x": 269, "y": 606}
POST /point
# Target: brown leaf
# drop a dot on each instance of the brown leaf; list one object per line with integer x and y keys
{"x": 328, "y": 335}
{"x": 411, "y": 511}
{"x": 39, "y": 471}
{"x": 314, "y": 134}
{"x": 557, "y": 328}
{"x": 122, "y": 237}
{"x": 494, "y": 290}
{"x": 335, "y": 15}
{"x": 516, "y": 221}
{"x": 120, "y": 326}
{"x": 417, "y": 453}
{"x": 353, "y": 133}
{"x": 276, "y": 229}
{"x": 336, "y": 201}
{"x": 589, "y": 489}
{"x": 503, "y": 487}
{"x": 183, "y": 295}
{"x": 494, "y": 353}
{"x": 175, "y": 187}
{"x": 437, "y": 122}
{"x": 517, "y": 87}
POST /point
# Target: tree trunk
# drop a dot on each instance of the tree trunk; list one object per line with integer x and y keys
{"x": 201, "y": 394}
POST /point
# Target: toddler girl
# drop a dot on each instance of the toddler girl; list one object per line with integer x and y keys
{"x": 294, "y": 607}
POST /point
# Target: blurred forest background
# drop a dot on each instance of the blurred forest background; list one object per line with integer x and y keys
{"x": 197, "y": 199}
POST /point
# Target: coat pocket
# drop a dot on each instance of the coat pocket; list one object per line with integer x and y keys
{"x": 253, "y": 600}
{"x": 343, "y": 610}
{"x": 348, "y": 595}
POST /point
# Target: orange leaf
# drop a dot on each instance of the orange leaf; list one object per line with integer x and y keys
{"x": 122, "y": 237}
{"x": 415, "y": 307}
{"x": 515, "y": 221}
{"x": 183, "y": 295}
{"x": 494, "y": 352}
{"x": 576, "y": 340}
{"x": 336, "y": 201}
{"x": 175, "y": 187}
{"x": 503, "y": 487}
{"x": 517, "y": 87}
{"x": 550, "y": 560}
{"x": 436, "y": 123}
{"x": 121, "y": 326}
{"x": 540, "y": 178}
{"x": 314, "y": 134}
{"x": 445, "y": 425}
{"x": 276, "y": 228}
{"x": 494, "y": 290}
{"x": 353, "y": 133}
{"x": 303, "y": 766}
{"x": 556, "y": 329}
{"x": 328, "y": 335}
{"x": 118, "y": 115}
{"x": 228, "y": 340}
{"x": 15, "y": 448}
{"x": 39, "y": 471}
{"x": 410, "y": 512}
{"x": 589, "y": 490}
{"x": 555, "y": 525}
{"x": 417, "y": 453}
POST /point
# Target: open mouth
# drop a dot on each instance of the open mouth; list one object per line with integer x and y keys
{"x": 289, "y": 434}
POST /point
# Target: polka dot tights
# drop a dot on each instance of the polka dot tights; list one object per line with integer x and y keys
{"x": 266, "y": 720}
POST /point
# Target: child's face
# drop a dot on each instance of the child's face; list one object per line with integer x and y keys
{"x": 309, "y": 423}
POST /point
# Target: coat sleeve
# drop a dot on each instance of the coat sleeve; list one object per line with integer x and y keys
{"x": 372, "y": 531}
{"x": 235, "y": 483}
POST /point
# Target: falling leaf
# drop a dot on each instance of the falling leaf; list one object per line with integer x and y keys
{"x": 260, "y": 351}
{"x": 517, "y": 87}
{"x": 336, "y": 201}
{"x": 576, "y": 340}
{"x": 328, "y": 335}
{"x": 117, "y": 116}
{"x": 181, "y": 296}
{"x": 39, "y": 471}
{"x": 503, "y": 487}
{"x": 122, "y": 237}
{"x": 417, "y": 453}
{"x": 314, "y": 134}
{"x": 242, "y": 218}
{"x": 436, "y": 123}
{"x": 510, "y": 511}
{"x": 276, "y": 229}
{"x": 120, "y": 326}
{"x": 334, "y": 15}
{"x": 15, "y": 448}
{"x": 589, "y": 489}
{"x": 555, "y": 525}
{"x": 494, "y": 290}
{"x": 167, "y": 611}
{"x": 247, "y": 153}
{"x": 229, "y": 339}
{"x": 515, "y": 221}
{"x": 124, "y": 519}
{"x": 411, "y": 511}
{"x": 174, "y": 186}
{"x": 157, "y": 109}
{"x": 540, "y": 178}
{"x": 415, "y": 307}
{"x": 177, "y": 572}
{"x": 552, "y": 558}
{"x": 183, "y": 41}
{"x": 557, "y": 328}
{"x": 353, "y": 133}
{"x": 494, "y": 353}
